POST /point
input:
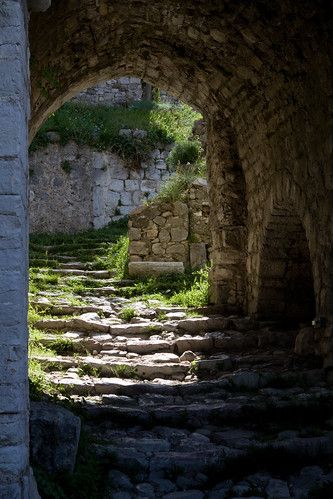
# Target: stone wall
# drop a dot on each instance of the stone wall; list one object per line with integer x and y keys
{"x": 117, "y": 92}
{"x": 14, "y": 102}
{"x": 173, "y": 232}
{"x": 75, "y": 188}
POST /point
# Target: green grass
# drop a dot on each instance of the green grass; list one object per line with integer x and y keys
{"x": 99, "y": 126}
{"x": 187, "y": 290}
{"x": 116, "y": 258}
{"x": 62, "y": 346}
{"x": 127, "y": 314}
{"x": 175, "y": 187}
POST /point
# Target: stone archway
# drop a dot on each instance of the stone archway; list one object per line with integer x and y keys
{"x": 228, "y": 62}
{"x": 285, "y": 287}
{"x": 265, "y": 66}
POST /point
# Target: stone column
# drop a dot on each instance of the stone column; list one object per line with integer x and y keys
{"x": 227, "y": 218}
{"x": 14, "y": 109}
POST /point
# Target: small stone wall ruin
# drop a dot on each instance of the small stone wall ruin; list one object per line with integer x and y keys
{"x": 119, "y": 92}
{"x": 173, "y": 232}
{"x": 116, "y": 92}
{"x": 75, "y": 188}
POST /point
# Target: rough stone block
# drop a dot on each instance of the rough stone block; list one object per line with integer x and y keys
{"x": 198, "y": 255}
{"x": 179, "y": 234}
{"x": 155, "y": 268}
{"x": 55, "y": 434}
{"x": 138, "y": 248}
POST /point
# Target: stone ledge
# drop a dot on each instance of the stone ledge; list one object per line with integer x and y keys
{"x": 155, "y": 268}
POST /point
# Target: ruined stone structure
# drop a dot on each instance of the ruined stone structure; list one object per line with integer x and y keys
{"x": 173, "y": 232}
{"x": 75, "y": 188}
{"x": 260, "y": 72}
{"x": 120, "y": 92}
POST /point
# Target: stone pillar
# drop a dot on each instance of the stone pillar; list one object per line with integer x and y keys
{"x": 14, "y": 109}
{"x": 227, "y": 218}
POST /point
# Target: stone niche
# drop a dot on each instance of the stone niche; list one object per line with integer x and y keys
{"x": 173, "y": 232}
{"x": 74, "y": 188}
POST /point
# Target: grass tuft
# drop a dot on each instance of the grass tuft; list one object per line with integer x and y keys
{"x": 99, "y": 126}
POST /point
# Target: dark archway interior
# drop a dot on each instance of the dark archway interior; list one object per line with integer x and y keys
{"x": 285, "y": 280}
{"x": 254, "y": 70}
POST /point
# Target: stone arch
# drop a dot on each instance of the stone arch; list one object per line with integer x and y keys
{"x": 285, "y": 280}
{"x": 233, "y": 64}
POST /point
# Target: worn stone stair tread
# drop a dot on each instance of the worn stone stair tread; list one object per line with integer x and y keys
{"x": 99, "y": 291}
{"x": 72, "y": 264}
{"x": 58, "y": 309}
{"x": 147, "y": 367}
{"x": 96, "y": 274}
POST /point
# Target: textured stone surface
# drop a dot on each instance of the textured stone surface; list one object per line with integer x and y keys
{"x": 14, "y": 104}
{"x": 55, "y": 434}
{"x": 119, "y": 92}
{"x": 261, "y": 73}
{"x": 155, "y": 268}
{"x": 163, "y": 232}
{"x": 75, "y": 187}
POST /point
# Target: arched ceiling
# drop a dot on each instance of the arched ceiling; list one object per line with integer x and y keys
{"x": 205, "y": 52}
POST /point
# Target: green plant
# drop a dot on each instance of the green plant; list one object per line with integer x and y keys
{"x": 124, "y": 371}
{"x": 175, "y": 187}
{"x": 127, "y": 314}
{"x": 161, "y": 316}
{"x": 99, "y": 126}
{"x": 194, "y": 367}
{"x": 198, "y": 294}
{"x": 117, "y": 257}
{"x": 88, "y": 370}
{"x": 185, "y": 152}
{"x": 39, "y": 386}
{"x": 62, "y": 346}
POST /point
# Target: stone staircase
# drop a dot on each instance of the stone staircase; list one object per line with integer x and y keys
{"x": 186, "y": 406}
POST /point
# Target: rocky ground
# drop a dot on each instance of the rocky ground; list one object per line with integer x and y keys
{"x": 184, "y": 406}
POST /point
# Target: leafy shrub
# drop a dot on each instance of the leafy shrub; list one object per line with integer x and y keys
{"x": 184, "y": 152}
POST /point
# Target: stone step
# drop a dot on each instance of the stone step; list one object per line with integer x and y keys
{"x": 71, "y": 264}
{"x": 86, "y": 243}
{"x": 142, "y": 269}
{"x": 161, "y": 365}
{"x": 217, "y": 323}
{"x": 94, "y": 274}
{"x": 66, "y": 309}
{"x": 99, "y": 291}
{"x": 92, "y": 323}
{"x": 234, "y": 412}
{"x": 194, "y": 453}
{"x": 241, "y": 382}
{"x": 133, "y": 338}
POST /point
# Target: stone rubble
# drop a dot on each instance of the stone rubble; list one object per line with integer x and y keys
{"x": 174, "y": 400}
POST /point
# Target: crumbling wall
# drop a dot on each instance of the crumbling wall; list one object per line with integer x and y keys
{"x": 173, "y": 232}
